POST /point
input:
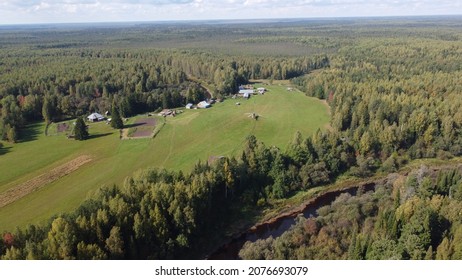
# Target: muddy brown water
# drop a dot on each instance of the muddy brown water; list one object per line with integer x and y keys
{"x": 230, "y": 250}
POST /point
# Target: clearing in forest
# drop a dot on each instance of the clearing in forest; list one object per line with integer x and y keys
{"x": 183, "y": 140}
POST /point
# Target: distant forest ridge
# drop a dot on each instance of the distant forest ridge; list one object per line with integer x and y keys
{"x": 120, "y": 24}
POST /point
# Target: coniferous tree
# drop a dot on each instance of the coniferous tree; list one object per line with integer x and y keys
{"x": 80, "y": 130}
{"x": 116, "y": 119}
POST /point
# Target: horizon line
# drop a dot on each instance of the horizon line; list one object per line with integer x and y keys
{"x": 234, "y": 20}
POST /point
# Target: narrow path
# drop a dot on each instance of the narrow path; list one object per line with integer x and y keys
{"x": 328, "y": 125}
{"x": 171, "y": 146}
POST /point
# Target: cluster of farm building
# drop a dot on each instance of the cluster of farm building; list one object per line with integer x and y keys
{"x": 245, "y": 91}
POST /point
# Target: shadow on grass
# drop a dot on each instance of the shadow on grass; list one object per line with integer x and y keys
{"x": 30, "y": 132}
{"x": 94, "y": 136}
{"x": 4, "y": 150}
{"x": 134, "y": 125}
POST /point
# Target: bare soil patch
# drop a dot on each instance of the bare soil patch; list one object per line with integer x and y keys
{"x": 147, "y": 122}
{"x": 142, "y": 128}
{"x": 213, "y": 159}
{"x": 142, "y": 133}
{"x": 62, "y": 127}
{"x": 26, "y": 188}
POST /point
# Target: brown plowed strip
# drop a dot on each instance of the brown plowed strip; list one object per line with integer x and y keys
{"x": 26, "y": 188}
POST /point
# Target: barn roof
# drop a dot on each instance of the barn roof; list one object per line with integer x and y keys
{"x": 246, "y": 91}
{"x": 95, "y": 116}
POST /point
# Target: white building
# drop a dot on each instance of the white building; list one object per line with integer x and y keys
{"x": 95, "y": 117}
{"x": 203, "y": 105}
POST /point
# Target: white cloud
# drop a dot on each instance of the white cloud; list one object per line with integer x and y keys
{"x": 31, "y": 11}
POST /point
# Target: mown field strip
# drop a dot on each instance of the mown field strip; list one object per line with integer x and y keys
{"x": 26, "y": 188}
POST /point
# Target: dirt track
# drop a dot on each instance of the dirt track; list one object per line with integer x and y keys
{"x": 26, "y": 188}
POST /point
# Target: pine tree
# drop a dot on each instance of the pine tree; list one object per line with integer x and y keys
{"x": 115, "y": 243}
{"x": 116, "y": 119}
{"x": 429, "y": 254}
{"x": 80, "y": 130}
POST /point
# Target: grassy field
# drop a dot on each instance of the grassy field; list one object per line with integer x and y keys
{"x": 191, "y": 136}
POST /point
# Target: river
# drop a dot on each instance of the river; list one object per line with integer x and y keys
{"x": 275, "y": 228}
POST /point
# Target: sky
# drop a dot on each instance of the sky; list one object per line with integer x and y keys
{"x": 76, "y": 11}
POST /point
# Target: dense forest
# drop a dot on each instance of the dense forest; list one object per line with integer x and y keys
{"x": 390, "y": 95}
{"x": 393, "y": 89}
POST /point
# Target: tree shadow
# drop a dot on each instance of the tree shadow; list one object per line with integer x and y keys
{"x": 65, "y": 119}
{"x": 4, "y": 150}
{"x": 134, "y": 125}
{"x": 94, "y": 136}
{"x": 30, "y": 132}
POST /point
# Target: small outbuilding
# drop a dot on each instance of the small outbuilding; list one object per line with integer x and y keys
{"x": 95, "y": 117}
{"x": 165, "y": 112}
{"x": 246, "y": 92}
{"x": 203, "y": 105}
{"x": 261, "y": 90}
{"x": 189, "y": 106}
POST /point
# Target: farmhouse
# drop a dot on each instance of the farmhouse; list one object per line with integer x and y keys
{"x": 95, "y": 117}
{"x": 203, "y": 105}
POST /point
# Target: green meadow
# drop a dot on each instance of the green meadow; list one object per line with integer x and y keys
{"x": 191, "y": 136}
